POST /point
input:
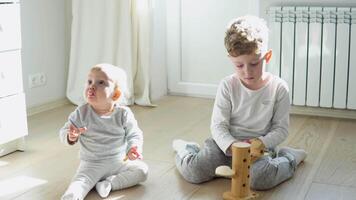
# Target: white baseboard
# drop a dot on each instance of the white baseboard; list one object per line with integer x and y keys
{"x": 15, "y": 145}
{"x": 300, "y": 110}
{"x": 47, "y": 106}
{"x": 324, "y": 112}
{"x": 191, "y": 95}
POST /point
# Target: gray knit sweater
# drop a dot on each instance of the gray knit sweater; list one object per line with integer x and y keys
{"x": 107, "y": 137}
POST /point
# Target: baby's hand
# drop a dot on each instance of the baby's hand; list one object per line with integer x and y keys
{"x": 133, "y": 154}
{"x": 74, "y": 133}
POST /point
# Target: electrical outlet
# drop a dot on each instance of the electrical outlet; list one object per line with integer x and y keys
{"x": 36, "y": 80}
{"x": 32, "y": 81}
{"x": 41, "y": 79}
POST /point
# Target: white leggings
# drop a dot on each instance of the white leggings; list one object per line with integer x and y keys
{"x": 120, "y": 174}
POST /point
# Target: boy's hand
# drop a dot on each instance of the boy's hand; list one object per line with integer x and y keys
{"x": 74, "y": 133}
{"x": 133, "y": 154}
{"x": 229, "y": 150}
{"x": 257, "y": 149}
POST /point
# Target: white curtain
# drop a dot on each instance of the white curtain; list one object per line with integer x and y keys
{"x": 115, "y": 32}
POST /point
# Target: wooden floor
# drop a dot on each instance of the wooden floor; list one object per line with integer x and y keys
{"x": 45, "y": 169}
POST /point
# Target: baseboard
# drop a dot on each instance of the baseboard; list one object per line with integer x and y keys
{"x": 15, "y": 145}
{"x": 47, "y": 106}
{"x": 191, "y": 95}
{"x": 324, "y": 112}
{"x": 301, "y": 110}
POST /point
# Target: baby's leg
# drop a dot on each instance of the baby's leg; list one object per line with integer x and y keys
{"x": 199, "y": 165}
{"x": 266, "y": 172}
{"x": 129, "y": 174}
{"x": 87, "y": 175}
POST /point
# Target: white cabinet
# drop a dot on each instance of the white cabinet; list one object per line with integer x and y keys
{"x": 10, "y": 34}
{"x": 12, "y": 118}
{"x": 13, "y": 122}
{"x": 10, "y": 73}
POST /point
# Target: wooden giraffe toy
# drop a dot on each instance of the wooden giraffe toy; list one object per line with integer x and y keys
{"x": 239, "y": 174}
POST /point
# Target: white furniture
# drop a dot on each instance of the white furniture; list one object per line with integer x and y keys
{"x": 13, "y": 121}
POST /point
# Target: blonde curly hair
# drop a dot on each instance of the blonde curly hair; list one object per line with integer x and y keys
{"x": 245, "y": 35}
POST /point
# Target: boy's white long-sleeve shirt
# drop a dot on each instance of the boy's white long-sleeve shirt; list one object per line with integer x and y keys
{"x": 107, "y": 137}
{"x": 240, "y": 113}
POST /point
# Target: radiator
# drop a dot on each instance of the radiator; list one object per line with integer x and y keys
{"x": 314, "y": 51}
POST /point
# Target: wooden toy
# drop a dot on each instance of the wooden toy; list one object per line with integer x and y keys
{"x": 239, "y": 174}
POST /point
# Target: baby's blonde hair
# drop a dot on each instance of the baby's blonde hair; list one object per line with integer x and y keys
{"x": 245, "y": 35}
{"x": 117, "y": 76}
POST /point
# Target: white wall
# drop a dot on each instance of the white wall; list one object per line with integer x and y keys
{"x": 46, "y": 44}
{"x": 196, "y": 56}
{"x": 45, "y": 38}
{"x": 193, "y": 73}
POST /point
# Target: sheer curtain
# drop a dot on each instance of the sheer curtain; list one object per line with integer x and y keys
{"x": 115, "y": 32}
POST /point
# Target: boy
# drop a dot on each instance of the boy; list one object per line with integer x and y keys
{"x": 251, "y": 105}
{"x": 108, "y": 135}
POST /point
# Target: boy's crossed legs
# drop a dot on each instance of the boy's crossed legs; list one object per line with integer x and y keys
{"x": 197, "y": 166}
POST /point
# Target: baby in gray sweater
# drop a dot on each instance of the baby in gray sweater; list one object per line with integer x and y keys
{"x": 109, "y": 138}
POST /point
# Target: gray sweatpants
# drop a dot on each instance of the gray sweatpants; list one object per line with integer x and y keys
{"x": 265, "y": 173}
{"x": 119, "y": 173}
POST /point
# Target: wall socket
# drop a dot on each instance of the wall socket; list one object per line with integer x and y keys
{"x": 36, "y": 80}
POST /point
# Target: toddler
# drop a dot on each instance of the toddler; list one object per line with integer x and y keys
{"x": 109, "y": 138}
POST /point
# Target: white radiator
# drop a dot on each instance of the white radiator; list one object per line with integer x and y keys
{"x": 314, "y": 50}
